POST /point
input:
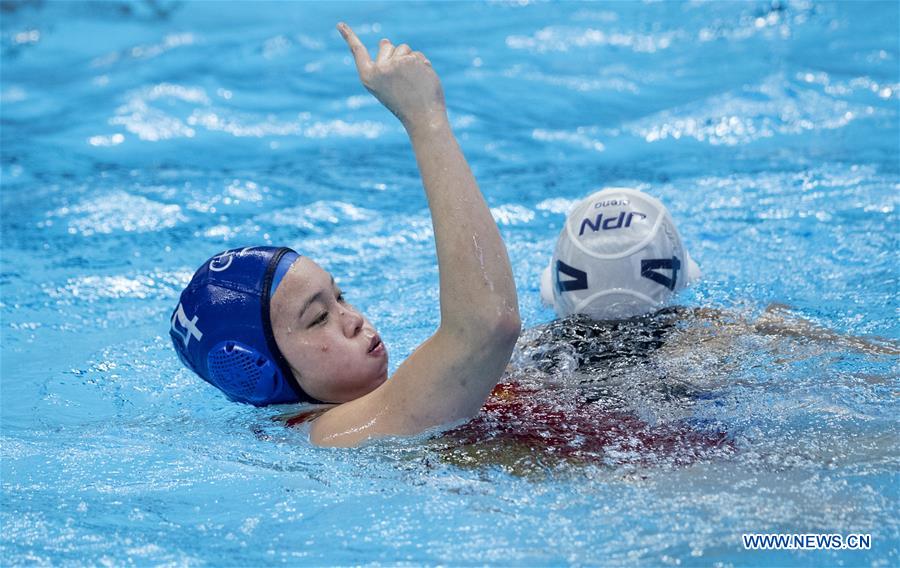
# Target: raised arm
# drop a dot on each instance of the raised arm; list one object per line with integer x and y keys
{"x": 450, "y": 375}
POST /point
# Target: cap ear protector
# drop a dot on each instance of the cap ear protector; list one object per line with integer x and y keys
{"x": 221, "y": 328}
{"x": 242, "y": 372}
{"x": 619, "y": 255}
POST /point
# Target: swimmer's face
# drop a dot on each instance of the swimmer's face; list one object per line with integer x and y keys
{"x": 325, "y": 340}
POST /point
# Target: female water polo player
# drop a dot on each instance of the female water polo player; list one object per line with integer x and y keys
{"x": 266, "y": 325}
{"x": 619, "y": 379}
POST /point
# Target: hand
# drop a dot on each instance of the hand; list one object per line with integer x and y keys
{"x": 402, "y": 79}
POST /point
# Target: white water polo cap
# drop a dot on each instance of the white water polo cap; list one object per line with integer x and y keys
{"x": 619, "y": 255}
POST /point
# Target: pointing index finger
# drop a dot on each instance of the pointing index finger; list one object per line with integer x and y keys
{"x": 360, "y": 53}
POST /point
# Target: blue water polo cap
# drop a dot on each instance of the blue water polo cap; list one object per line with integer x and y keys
{"x": 221, "y": 328}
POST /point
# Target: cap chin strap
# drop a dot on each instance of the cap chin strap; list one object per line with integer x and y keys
{"x": 547, "y": 287}
{"x": 693, "y": 271}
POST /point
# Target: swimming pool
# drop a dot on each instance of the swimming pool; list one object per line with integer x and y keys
{"x": 139, "y": 139}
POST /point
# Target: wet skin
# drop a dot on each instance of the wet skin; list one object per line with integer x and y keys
{"x": 326, "y": 341}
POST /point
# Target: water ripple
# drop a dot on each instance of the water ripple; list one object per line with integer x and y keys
{"x": 774, "y": 107}
{"x": 116, "y": 211}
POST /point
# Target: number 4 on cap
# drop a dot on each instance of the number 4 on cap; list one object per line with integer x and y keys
{"x": 651, "y": 265}
{"x": 580, "y": 276}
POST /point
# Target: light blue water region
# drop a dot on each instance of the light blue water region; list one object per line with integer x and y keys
{"x": 138, "y": 139}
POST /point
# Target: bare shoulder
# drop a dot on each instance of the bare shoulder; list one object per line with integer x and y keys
{"x": 349, "y": 424}
{"x": 780, "y": 320}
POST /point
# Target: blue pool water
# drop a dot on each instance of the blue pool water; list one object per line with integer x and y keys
{"x": 138, "y": 139}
